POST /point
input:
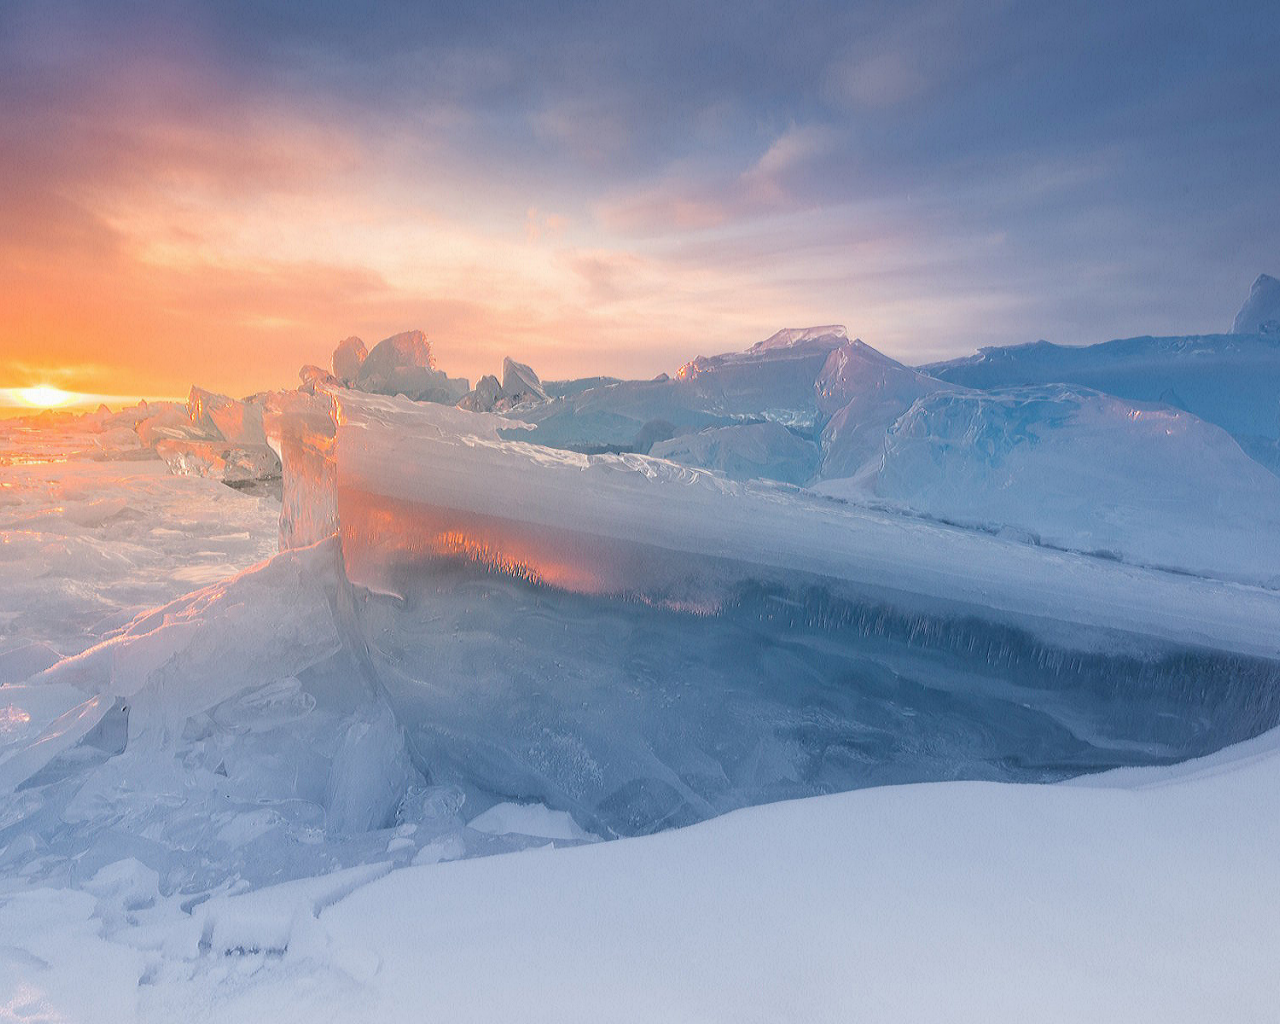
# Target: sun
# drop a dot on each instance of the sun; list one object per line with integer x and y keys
{"x": 45, "y": 397}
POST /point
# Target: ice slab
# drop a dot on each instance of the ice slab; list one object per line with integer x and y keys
{"x": 646, "y": 645}
{"x": 773, "y": 380}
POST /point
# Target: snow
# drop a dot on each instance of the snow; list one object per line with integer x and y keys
{"x": 1056, "y": 903}
{"x": 528, "y": 820}
{"x": 1260, "y": 313}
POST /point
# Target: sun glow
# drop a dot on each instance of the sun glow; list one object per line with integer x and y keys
{"x": 45, "y": 397}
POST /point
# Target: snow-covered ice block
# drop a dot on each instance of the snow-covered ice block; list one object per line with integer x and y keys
{"x": 520, "y": 384}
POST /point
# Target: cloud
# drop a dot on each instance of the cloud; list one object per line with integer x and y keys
{"x": 220, "y": 191}
{"x": 881, "y": 80}
{"x": 780, "y": 179}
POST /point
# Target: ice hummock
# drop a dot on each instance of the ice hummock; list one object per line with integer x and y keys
{"x": 1072, "y": 467}
{"x": 404, "y": 364}
{"x": 1230, "y": 380}
{"x": 1260, "y": 313}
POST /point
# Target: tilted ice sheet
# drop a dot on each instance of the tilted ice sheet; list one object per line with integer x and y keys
{"x": 444, "y": 458}
{"x": 647, "y": 645}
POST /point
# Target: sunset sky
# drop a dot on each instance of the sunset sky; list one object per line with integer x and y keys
{"x": 218, "y": 192}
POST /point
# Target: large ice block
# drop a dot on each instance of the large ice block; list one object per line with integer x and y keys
{"x": 645, "y": 644}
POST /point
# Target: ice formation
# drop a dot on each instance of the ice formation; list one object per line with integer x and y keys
{"x": 733, "y": 595}
{"x": 1230, "y": 380}
{"x": 520, "y": 384}
{"x": 1075, "y": 468}
{"x": 404, "y": 365}
{"x": 751, "y": 451}
{"x": 348, "y": 357}
{"x": 578, "y": 610}
{"x": 1260, "y": 313}
{"x": 230, "y": 463}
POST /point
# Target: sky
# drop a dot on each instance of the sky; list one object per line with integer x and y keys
{"x": 218, "y": 192}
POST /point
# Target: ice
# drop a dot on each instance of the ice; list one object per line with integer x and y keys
{"x": 315, "y": 378}
{"x": 485, "y": 396}
{"x": 171, "y": 421}
{"x": 518, "y": 389}
{"x": 233, "y": 464}
{"x": 38, "y": 722}
{"x": 404, "y": 364}
{"x": 1260, "y": 313}
{"x": 86, "y": 545}
{"x": 754, "y": 451}
{"x": 24, "y": 659}
{"x": 861, "y": 393}
{"x": 249, "y": 801}
{"x": 529, "y": 820}
{"x": 773, "y": 380}
{"x": 645, "y": 645}
{"x": 520, "y": 384}
{"x": 239, "y": 422}
{"x": 370, "y": 775}
{"x": 1231, "y": 380}
{"x": 1075, "y": 468}
{"x": 626, "y": 416}
{"x": 348, "y": 357}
